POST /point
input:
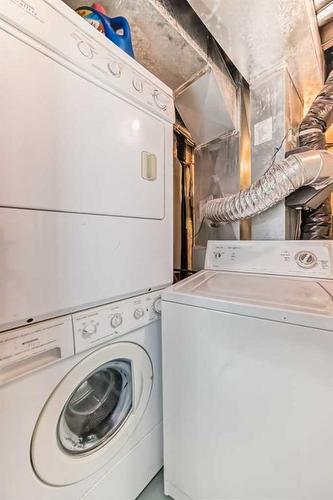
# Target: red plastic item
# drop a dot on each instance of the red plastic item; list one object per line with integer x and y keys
{"x": 99, "y": 7}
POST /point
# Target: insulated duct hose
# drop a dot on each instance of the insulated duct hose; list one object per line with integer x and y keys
{"x": 316, "y": 224}
{"x": 282, "y": 179}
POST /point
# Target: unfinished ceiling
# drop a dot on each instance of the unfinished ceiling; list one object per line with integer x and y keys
{"x": 260, "y": 35}
{"x": 171, "y": 41}
{"x": 168, "y": 37}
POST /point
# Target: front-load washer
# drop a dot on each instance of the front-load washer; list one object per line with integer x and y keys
{"x": 86, "y": 141}
{"x": 81, "y": 412}
{"x": 248, "y": 374}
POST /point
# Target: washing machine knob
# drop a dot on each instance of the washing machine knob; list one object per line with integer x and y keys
{"x": 138, "y": 313}
{"x": 157, "y": 305}
{"x": 306, "y": 260}
{"x": 116, "y": 320}
{"x": 89, "y": 330}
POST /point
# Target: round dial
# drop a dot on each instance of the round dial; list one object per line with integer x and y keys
{"x": 306, "y": 260}
{"x": 116, "y": 320}
{"x": 85, "y": 49}
{"x": 114, "y": 69}
{"x": 161, "y": 100}
{"x": 137, "y": 84}
{"x": 89, "y": 330}
{"x": 138, "y": 313}
{"x": 157, "y": 305}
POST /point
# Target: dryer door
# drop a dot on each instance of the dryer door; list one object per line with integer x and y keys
{"x": 92, "y": 413}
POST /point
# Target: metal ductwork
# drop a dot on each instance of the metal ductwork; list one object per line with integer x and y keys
{"x": 171, "y": 41}
{"x": 281, "y": 179}
{"x": 205, "y": 106}
{"x": 324, "y": 10}
{"x": 307, "y": 168}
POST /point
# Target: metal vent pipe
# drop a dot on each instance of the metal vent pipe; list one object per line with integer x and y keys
{"x": 280, "y": 180}
{"x": 320, "y": 4}
{"x": 324, "y": 11}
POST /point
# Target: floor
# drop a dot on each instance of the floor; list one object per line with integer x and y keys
{"x": 154, "y": 490}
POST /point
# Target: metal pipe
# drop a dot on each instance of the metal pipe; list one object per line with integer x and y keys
{"x": 325, "y": 15}
{"x": 320, "y": 4}
{"x": 280, "y": 180}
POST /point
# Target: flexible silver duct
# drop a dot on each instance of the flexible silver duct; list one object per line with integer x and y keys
{"x": 307, "y": 168}
{"x": 325, "y": 15}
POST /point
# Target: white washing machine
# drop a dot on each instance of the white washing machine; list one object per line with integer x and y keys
{"x": 81, "y": 412}
{"x": 248, "y": 374}
{"x": 86, "y": 141}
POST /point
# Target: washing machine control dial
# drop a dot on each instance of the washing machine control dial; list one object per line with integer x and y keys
{"x": 138, "y": 313}
{"x": 306, "y": 260}
{"x": 116, "y": 320}
{"x": 157, "y": 305}
{"x": 89, "y": 330}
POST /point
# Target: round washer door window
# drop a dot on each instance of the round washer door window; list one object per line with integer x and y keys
{"x": 91, "y": 414}
{"x": 97, "y": 408}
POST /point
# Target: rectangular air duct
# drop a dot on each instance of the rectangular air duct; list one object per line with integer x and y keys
{"x": 206, "y": 107}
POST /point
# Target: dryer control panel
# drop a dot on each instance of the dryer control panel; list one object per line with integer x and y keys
{"x": 102, "y": 324}
{"x": 312, "y": 259}
{"x": 77, "y": 43}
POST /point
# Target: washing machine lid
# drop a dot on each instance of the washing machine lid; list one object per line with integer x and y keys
{"x": 304, "y": 301}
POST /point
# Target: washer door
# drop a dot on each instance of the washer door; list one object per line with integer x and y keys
{"x": 91, "y": 414}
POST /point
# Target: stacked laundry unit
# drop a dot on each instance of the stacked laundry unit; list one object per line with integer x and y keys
{"x": 86, "y": 245}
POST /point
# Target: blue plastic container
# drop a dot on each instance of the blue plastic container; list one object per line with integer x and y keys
{"x": 110, "y": 26}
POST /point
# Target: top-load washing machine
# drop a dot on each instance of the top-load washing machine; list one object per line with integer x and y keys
{"x": 248, "y": 374}
{"x": 86, "y": 140}
{"x": 81, "y": 409}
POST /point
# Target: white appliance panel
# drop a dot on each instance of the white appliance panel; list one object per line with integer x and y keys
{"x": 102, "y": 324}
{"x": 52, "y": 263}
{"x": 69, "y": 145}
{"x": 86, "y": 148}
{"x": 247, "y": 411}
{"x": 23, "y": 401}
{"x": 288, "y": 258}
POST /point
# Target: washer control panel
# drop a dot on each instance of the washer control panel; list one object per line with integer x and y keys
{"x": 102, "y": 324}
{"x": 285, "y": 258}
{"x": 29, "y": 348}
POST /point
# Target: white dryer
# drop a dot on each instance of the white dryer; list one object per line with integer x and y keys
{"x": 81, "y": 412}
{"x": 86, "y": 139}
{"x": 248, "y": 374}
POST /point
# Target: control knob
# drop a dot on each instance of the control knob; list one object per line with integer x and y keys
{"x": 116, "y": 320}
{"x": 161, "y": 100}
{"x": 114, "y": 69}
{"x": 85, "y": 49}
{"x": 306, "y": 260}
{"x": 157, "y": 305}
{"x": 138, "y": 313}
{"x": 137, "y": 84}
{"x": 89, "y": 330}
